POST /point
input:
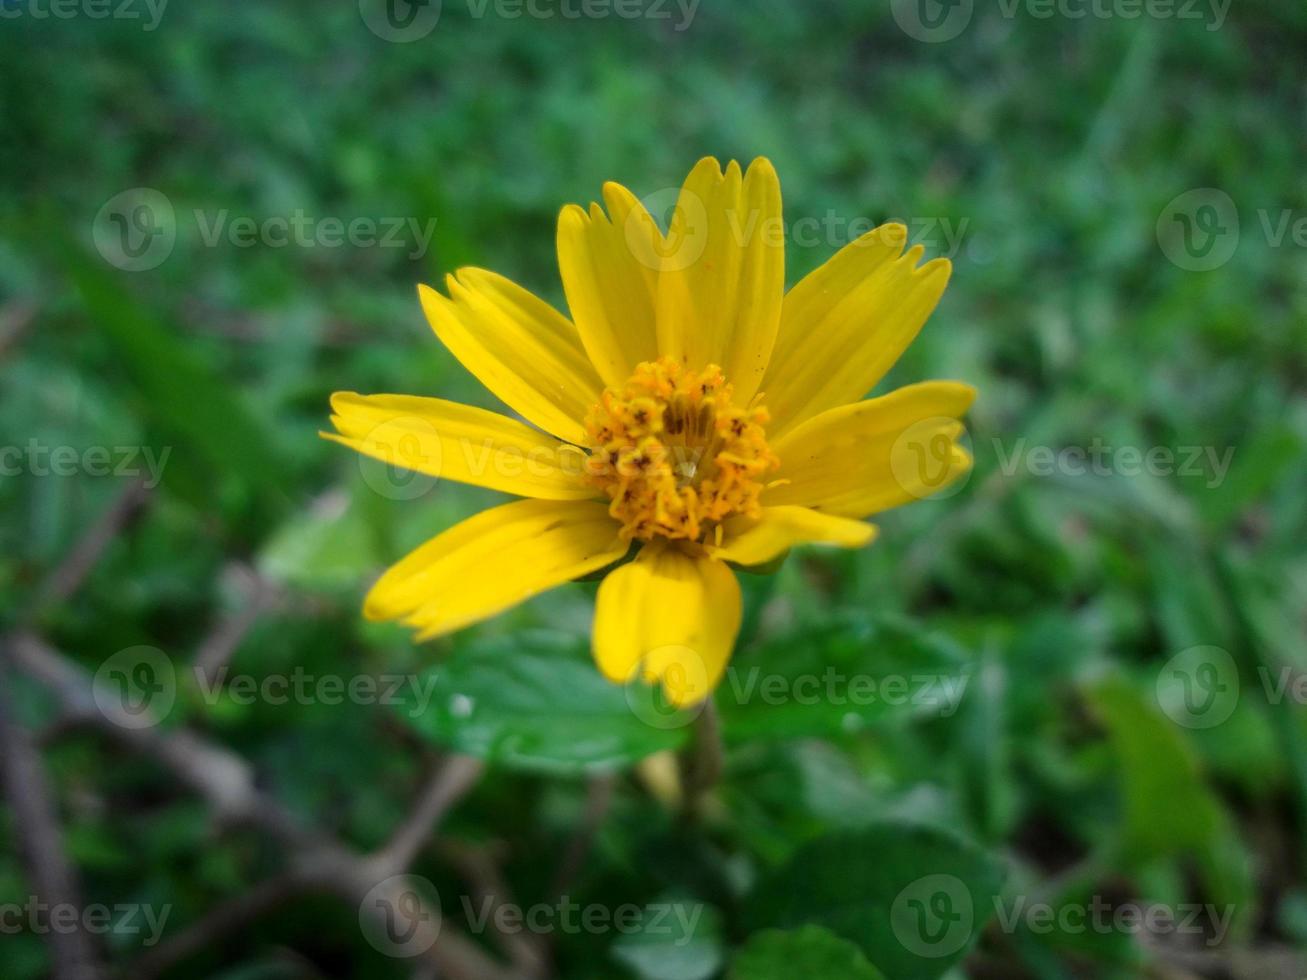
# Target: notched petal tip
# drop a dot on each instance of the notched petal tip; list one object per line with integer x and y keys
{"x": 707, "y": 168}
{"x": 572, "y": 217}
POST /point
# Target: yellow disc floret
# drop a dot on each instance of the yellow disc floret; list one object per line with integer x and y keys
{"x": 674, "y": 454}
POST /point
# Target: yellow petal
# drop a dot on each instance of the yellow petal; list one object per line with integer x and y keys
{"x": 518, "y": 346}
{"x": 846, "y": 323}
{"x": 495, "y": 560}
{"x": 609, "y": 266}
{"x": 751, "y": 542}
{"x": 723, "y": 276}
{"x": 872, "y": 455}
{"x": 457, "y": 442}
{"x": 672, "y": 617}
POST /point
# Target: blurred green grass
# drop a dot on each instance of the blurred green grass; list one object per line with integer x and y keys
{"x": 1053, "y": 146}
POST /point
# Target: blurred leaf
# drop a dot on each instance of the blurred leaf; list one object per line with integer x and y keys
{"x": 811, "y": 952}
{"x": 329, "y": 546}
{"x": 180, "y": 395}
{"x": 840, "y": 678}
{"x": 914, "y": 898}
{"x": 1168, "y": 808}
{"x": 536, "y": 702}
{"x": 676, "y": 940}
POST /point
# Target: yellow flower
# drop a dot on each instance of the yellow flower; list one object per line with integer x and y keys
{"x": 691, "y": 408}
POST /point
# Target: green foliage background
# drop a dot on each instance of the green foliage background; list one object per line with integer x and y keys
{"x": 1052, "y": 145}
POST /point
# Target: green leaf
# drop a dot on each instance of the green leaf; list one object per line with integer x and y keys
{"x": 329, "y": 546}
{"x": 676, "y": 940}
{"x": 841, "y": 678}
{"x": 536, "y": 701}
{"x": 181, "y": 395}
{"x": 912, "y": 897}
{"x": 1169, "y": 810}
{"x": 811, "y": 952}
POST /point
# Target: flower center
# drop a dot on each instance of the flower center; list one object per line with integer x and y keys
{"x": 674, "y": 454}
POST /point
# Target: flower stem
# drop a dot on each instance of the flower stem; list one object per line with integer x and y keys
{"x": 701, "y": 765}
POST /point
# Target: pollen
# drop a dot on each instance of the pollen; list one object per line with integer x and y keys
{"x": 674, "y": 454}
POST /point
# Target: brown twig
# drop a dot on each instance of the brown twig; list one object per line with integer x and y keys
{"x": 448, "y": 782}
{"x": 524, "y": 949}
{"x": 219, "y": 923}
{"x": 227, "y": 783}
{"x": 73, "y": 952}
{"x": 69, "y": 575}
{"x": 15, "y": 319}
{"x": 598, "y": 799}
{"x": 260, "y": 596}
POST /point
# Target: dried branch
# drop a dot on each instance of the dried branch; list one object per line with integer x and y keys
{"x": 525, "y": 950}
{"x": 68, "y": 577}
{"x": 15, "y": 318}
{"x": 448, "y": 782}
{"x": 73, "y": 952}
{"x": 229, "y": 632}
{"x": 220, "y": 922}
{"x": 227, "y": 783}
{"x": 599, "y": 797}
